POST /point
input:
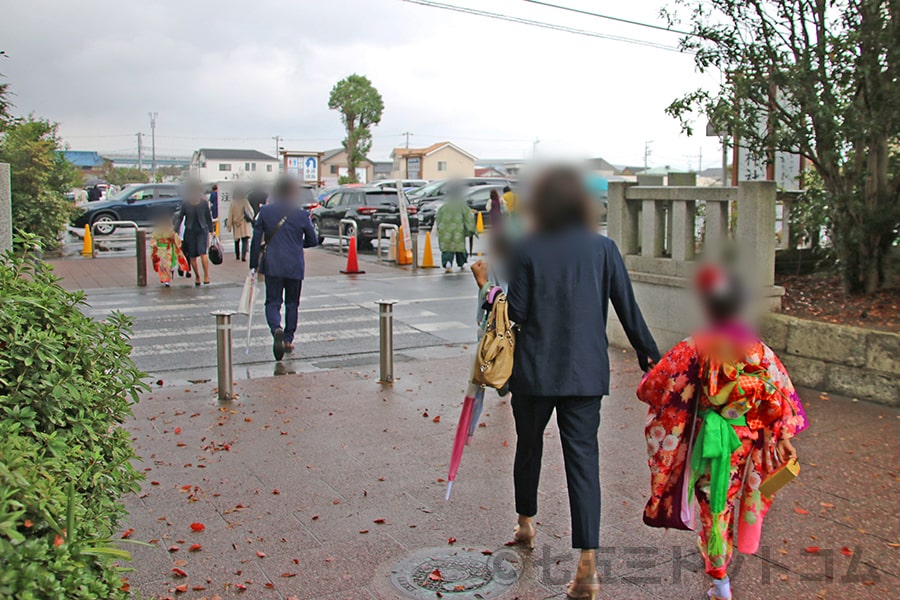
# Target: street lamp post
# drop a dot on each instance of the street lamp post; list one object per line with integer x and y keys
{"x": 153, "y": 116}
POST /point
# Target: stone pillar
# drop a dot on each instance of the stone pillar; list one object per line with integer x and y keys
{"x": 682, "y": 230}
{"x": 6, "y": 226}
{"x": 653, "y": 215}
{"x": 650, "y": 179}
{"x": 622, "y": 218}
{"x": 756, "y": 231}
{"x": 682, "y": 179}
{"x": 716, "y": 236}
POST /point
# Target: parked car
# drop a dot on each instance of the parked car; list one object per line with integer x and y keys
{"x": 408, "y": 184}
{"x": 368, "y": 206}
{"x": 436, "y": 189}
{"x": 476, "y": 197}
{"x": 144, "y": 204}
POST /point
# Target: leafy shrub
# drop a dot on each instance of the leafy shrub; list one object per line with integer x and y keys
{"x": 66, "y": 384}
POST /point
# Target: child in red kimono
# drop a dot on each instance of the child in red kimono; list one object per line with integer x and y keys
{"x": 722, "y": 415}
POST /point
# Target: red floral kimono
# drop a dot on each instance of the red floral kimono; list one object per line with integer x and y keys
{"x": 717, "y": 445}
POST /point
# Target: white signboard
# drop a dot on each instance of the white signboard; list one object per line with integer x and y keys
{"x": 311, "y": 168}
{"x": 787, "y": 169}
{"x": 413, "y": 167}
{"x": 294, "y": 166}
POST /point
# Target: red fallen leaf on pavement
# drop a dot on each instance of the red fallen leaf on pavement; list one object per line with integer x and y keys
{"x": 315, "y": 517}
{"x": 58, "y": 541}
{"x": 487, "y": 552}
{"x": 195, "y": 548}
{"x": 379, "y": 521}
{"x": 335, "y": 501}
{"x": 482, "y": 424}
{"x": 248, "y": 419}
{"x": 197, "y": 527}
{"x": 459, "y": 588}
{"x": 296, "y": 561}
{"x": 126, "y": 587}
{"x": 260, "y": 554}
{"x": 269, "y": 585}
{"x": 178, "y": 572}
{"x": 364, "y": 531}
{"x": 436, "y": 575}
{"x": 275, "y": 492}
{"x": 154, "y": 483}
{"x": 812, "y": 549}
{"x": 177, "y": 430}
{"x": 505, "y": 443}
{"x": 800, "y": 511}
{"x": 241, "y": 587}
{"x": 185, "y": 488}
{"x": 846, "y": 551}
{"x": 173, "y": 548}
{"x": 198, "y": 588}
{"x": 127, "y": 534}
{"x": 288, "y": 574}
{"x": 181, "y": 589}
{"x": 437, "y": 419}
{"x": 179, "y": 563}
{"x": 451, "y": 540}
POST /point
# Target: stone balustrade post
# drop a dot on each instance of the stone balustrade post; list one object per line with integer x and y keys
{"x": 756, "y": 231}
{"x": 6, "y": 225}
{"x": 622, "y": 218}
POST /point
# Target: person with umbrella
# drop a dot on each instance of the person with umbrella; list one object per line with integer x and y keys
{"x": 562, "y": 277}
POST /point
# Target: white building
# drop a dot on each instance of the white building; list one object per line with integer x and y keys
{"x": 225, "y": 164}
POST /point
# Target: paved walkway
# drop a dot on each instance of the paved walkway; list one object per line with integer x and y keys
{"x": 316, "y": 485}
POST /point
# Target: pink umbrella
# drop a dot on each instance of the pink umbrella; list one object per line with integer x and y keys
{"x": 462, "y": 435}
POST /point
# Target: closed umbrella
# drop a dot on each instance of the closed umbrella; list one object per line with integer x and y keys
{"x": 462, "y": 435}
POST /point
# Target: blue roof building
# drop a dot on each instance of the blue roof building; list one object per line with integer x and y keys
{"x": 86, "y": 160}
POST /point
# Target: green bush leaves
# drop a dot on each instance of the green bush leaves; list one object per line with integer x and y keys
{"x": 67, "y": 383}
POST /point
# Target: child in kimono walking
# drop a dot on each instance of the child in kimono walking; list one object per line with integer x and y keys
{"x": 722, "y": 415}
{"x": 166, "y": 251}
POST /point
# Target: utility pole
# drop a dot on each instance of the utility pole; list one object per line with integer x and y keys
{"x": 534, "y": 146}
{"x": 153, "y": 116}
{"x": 277, "y": 139}
{"x": 647, "y": 153}
{"x": 140, "y": 151}
{"x": 407, "y": 134}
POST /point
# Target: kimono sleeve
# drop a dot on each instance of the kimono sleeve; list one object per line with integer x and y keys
{"x": 673, "y": 380}
{"x": 793, "y": 418}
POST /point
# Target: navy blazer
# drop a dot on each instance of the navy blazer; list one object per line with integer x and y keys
{"x": 284, "y": 258}
{"x": 559, "y": 292}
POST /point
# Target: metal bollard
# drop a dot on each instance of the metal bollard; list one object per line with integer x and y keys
{"x": 386, "y": 339}
{"x": 140, "y": 239}
{"x": 223, "y": 352}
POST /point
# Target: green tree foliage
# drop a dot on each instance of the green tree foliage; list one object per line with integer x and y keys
{"x": 40, "y": 178}
{"x": 360, "y": 106}
{"x": 67, "y": 384}
{"x": 122, "y": 175}
{"x": 819, "y": 78}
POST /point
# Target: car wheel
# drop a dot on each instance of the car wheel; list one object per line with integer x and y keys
{"x": 102, "y": 224}
{"x": 315, "y": 224}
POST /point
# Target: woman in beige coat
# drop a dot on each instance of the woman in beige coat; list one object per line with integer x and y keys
{"x": 240, "y": 222}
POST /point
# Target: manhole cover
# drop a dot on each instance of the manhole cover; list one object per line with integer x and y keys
{"x": 456, "y": 573}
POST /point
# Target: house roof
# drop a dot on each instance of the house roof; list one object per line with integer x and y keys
{"x": 234, "y": 154}
{"x": 401, "y": 152}
{"x": 600, "y": 164}
{"x": 84, "y": 158}
{"x": 329, "y": 154}
{"x": 382, "y": 166}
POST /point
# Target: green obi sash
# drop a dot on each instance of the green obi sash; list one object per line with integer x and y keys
{"x": 715, "y": 444}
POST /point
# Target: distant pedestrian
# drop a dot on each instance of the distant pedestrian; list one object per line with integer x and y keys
{"x": 454, "y": 222}
{"x": 495, "y": 212}
{"x": 214, "y": 202}
{"x": 94, "y": 193}
{"x": 257, "y": 197}
{"x": 194, "y": 213}
{"x": 510, "y": 200}
{"x": 281, "y": 232}
{"x": 240, "y": 222}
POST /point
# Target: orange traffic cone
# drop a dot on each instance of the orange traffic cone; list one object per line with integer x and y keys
{"x": 352, "y": 260}
{"x": 479, "y": 223}
{"x": 428, "y": 258}
{"x": 88, "y": 248}
{"x": 404, "y": 256}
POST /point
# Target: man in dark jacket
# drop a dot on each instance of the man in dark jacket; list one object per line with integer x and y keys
{"x": 286, "y": 230}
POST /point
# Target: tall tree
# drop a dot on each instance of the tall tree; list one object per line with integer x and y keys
{"x": 360, "y": 106}
{"x": 122, "y": 175}
{"x": 40, "y": 177}
{"x": 819, "y": 78}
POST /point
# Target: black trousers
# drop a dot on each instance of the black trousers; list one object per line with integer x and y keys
{"x": 241, "y": 245}
{"x": 578, "y": 418}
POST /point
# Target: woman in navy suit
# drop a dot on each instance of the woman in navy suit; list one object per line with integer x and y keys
{"x": 563, "y": 276}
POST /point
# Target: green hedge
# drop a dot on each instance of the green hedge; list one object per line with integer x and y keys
{"x": 67, "y": 382}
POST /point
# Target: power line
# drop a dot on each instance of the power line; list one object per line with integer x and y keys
{"x": 542, "y": 24}
{"x": 608, "y": 17}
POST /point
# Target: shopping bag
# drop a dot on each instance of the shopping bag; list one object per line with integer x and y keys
{"x": 248, "y": 294}
{"x": 216, "y": 253}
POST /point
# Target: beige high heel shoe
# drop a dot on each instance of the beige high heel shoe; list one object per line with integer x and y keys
{"x": 525, "y": 535}
{"x": 584, "y": 587}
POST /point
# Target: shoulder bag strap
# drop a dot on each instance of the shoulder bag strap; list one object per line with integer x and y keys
{"x": 269, "y": 237}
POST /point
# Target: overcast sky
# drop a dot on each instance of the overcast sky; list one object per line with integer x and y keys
{"x": 226, "y": 74}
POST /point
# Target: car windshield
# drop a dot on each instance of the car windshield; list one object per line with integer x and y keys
{"x": 427, "y": 190}
{"x": 382, "y": 198}
{"x": 123, "y": 193}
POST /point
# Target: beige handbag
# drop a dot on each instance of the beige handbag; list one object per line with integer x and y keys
{"x": 494, "y": 357}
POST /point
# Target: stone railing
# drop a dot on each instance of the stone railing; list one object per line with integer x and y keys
{"x": 664, "y": 231}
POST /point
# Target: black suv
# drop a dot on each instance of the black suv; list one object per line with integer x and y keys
{"x": 368, "y": 206}
{"x": 144, "y": 204}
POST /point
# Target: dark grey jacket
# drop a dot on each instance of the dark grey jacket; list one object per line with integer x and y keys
{"x": 559, "y": 292}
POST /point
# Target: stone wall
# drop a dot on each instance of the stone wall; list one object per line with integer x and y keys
{"x": 855, "y": 362}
